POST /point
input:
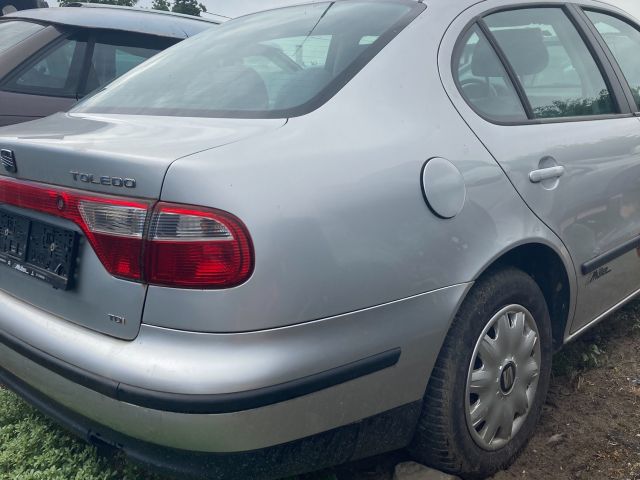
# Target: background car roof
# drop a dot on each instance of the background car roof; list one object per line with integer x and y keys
{"x": 147, "y": 21}
{"x": 238, "y": 8}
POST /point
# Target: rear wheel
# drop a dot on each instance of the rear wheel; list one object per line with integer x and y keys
{"x": 489, "y": 384}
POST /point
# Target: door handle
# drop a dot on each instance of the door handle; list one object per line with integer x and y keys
{"x": 537, "y": 176}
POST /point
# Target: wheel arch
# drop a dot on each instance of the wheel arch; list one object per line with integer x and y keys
{"x": 549, "y": 270}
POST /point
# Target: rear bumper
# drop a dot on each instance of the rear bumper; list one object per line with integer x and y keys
{"x": 231, "y": 392}
{"x": 384, "y": 432}
{"x": 203, "y": 403}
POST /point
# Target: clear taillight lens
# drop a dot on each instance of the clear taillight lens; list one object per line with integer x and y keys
{"x": 185, "y": 247}
{"x": 116, "y": 231}
{"x": 191, "y": 247}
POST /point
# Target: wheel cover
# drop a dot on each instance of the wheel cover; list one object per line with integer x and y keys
{"x": 503, "y": 377}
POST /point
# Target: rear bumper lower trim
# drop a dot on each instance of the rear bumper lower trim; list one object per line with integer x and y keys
{"x": 387, "y": 431}
{"x": 202, "y": 403}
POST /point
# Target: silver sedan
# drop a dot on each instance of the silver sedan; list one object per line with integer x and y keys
{"x": 326, "y": 231}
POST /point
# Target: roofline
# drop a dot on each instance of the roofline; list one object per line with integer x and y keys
{"x": 143, "y": 10}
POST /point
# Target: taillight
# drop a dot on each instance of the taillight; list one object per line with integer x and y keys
{"x": 197, "y": 248}
{"x": 171, "y": 245}
{"x": 115, "y": 231}
{"x": 100, "y": 217}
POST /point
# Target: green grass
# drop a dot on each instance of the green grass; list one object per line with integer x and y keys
{"x": 34, "y": 448}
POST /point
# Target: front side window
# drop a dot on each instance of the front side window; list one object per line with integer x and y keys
{"x": 558, "y": 74}
{"x": 56, "y": 72}
{"x": 279, "y": 63}
{"x": 623, "y": 40}
{"x": 483, "y": 80}
{"x": 12, "y": 32}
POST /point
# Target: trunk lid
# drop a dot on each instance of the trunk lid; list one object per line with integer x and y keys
{"x": 117, "y": 146}
{"x": 124, "y": 156}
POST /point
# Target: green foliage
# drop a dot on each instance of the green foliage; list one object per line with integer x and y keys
{"x": 577, "y": 107}
{"x": 161, "y": 5}
{"x": 122, "y": 3}
{"x": 34, "y": 448}
{"x": 188, "y": 7}
{"x": 593, "y": 357}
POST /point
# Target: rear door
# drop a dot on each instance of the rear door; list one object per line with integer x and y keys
{"x": 539, "y": 91}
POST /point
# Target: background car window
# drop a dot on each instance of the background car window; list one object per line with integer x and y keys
{"x": 555, "y": 67}
{"x": 115, "y": 54}
{"x": 56, "y": 72}
{"x": 483, "y": 80}
{"x": 14, "y": 32}
{"x": 623, "y": 40}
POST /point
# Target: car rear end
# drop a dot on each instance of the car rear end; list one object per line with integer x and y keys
{"x": 135, "y": 319}
{"x": 158, "y": 297}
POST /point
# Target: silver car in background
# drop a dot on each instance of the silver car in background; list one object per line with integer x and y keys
{"x": 327, "y": 231}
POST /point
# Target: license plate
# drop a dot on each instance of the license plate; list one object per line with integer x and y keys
{"x": 42, "y": 251}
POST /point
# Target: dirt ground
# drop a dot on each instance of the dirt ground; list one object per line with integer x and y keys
{"x": 590, "y": 427}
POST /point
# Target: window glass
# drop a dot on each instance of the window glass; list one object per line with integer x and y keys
{"x": 54, "y": 73}
{"x": 311, "y": 51}
{"x": 555, "y": 67}
{"x": 484, "y": 81}
{"x": 13, "y": 32}
{"x": 623, "y": 40}
{"x": 261, "y": 65}
{"x": 112, "y": 57}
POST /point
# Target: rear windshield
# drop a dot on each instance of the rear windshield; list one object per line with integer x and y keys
{"x": 12, "y": 32}
{"x": 280, "y": 63}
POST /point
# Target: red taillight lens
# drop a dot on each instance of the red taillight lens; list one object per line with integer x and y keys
{"x": 100, "y": 217}
{"x": 197, "y": 248}
{"x": 186, "y": 247}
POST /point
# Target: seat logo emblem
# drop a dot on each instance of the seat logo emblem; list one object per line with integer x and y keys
{"x": 9, "y": 160}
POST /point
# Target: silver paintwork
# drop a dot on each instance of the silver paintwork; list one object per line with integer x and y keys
{"x": 444, "y": 187}
{"x": 196, "y": 363}
{"x": 502, "y": 377}
{"x": 601, "y": 159}
{"x": 350, "y": 261}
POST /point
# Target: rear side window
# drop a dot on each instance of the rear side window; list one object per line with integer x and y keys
{"x": 623, "y": 40}
{"x": 13, "y": 32}
{"x": 280, "y": 63}
{"x": 555, "y": 67}
{"x": 55, "y": 72}
{"x": 483, "y": 80}
{"x": 114, "y": 54}
{"x": 546, "y": 58}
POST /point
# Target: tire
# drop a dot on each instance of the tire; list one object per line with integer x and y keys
{"x": 444, "y": 437}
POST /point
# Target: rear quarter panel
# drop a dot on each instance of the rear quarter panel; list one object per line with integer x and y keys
{"x": 334, "y": 204}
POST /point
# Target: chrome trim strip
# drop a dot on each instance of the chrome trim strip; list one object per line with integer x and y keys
{"x": 600, "y": 317}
